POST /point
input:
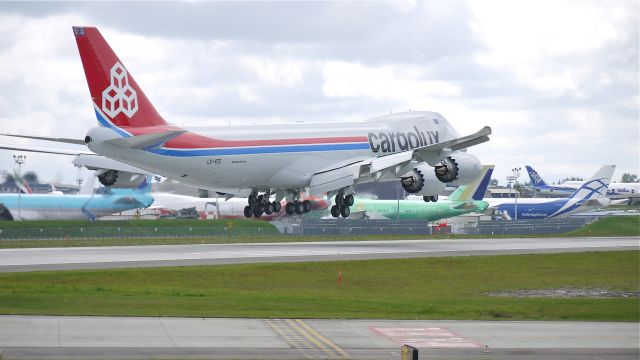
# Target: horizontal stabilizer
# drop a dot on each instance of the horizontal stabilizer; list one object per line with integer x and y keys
{"x": 465, "y": 206}
{"x": 61, "y": 140}
{"x": 45, "y": 150}
{"x": 147, "y": 140}
{"x": 96, "y": 162}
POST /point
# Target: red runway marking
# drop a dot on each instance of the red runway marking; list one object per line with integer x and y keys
{"x": 427, "y": 337}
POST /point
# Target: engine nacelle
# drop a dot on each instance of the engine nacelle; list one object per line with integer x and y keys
{"x": 421, "y": 180}
{"x": 121, "y": 179}
{"x": 460, "y": 167}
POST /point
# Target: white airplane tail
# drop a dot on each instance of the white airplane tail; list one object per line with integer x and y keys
{"x": 596, "y": 186}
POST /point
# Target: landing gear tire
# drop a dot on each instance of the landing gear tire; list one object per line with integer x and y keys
{"x": 276, "y": 207}
{"x": 299, "y": 207}
{"x": 289, "y": 208}
{"x": 258, "y": 210}
{"x": 306, "y": 206}
{"x": 345, "y": 211}
{"x": 268, "y": 208}
{"x": 248, "y": 211}
{"x": 335, "y": 211}
{"x": 348, "y": 200}
{"x": 428, "y": 198}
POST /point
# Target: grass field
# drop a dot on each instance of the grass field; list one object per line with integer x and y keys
{"x": 425, "y": 288}
{"x": 611, "y": 226}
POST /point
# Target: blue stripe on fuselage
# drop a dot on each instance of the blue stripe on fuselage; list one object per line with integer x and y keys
{"x": 258, "y": 150}
{"x": 240, "y": 150}
{"x": 109, "y": 125}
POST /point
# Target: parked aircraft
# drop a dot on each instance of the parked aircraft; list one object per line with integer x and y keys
{"x": 591, "y": 195}
{"x": 420, "y": 149}
{"x": 83, "y": 206}
{"x": 541, "y": 188}
{"x": 219, "y": 207}
{"x": 615, "y": 191}
{"x": 465, "y": 199}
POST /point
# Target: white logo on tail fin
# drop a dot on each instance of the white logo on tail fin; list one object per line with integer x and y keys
{"x": 119, "y": 96}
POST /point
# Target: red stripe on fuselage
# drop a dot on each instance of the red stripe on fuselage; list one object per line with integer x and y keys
{"x": 191, "y": 140}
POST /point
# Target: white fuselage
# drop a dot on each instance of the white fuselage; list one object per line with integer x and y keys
{"x": 614, "y": 191}
{"x": 258, "y": 164}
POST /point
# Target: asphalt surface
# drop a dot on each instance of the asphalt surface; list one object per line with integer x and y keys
{"x": 52, "y": 337}
{"x": 34, "y": 259}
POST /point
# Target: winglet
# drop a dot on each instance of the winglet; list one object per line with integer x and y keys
{"x": 476, "y": 138}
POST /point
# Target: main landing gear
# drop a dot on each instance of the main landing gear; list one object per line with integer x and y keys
{"x": 298, "y": 207}
{"x": 260, "y": 204}
{"x": 342, "y": 205}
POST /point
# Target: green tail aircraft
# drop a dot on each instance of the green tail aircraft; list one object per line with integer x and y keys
{"x": 465, "y": 199}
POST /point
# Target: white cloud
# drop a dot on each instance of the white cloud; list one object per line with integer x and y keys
{"x": 556, "y": 81}
{"x": 342, "y": 79}
{"x": 538, "y": 40}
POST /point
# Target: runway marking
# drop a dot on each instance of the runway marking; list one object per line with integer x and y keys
{"x": 304, "y": 338}
{"x": 427, "y": 337}
{"x": 293, "y": 339}
{"x": 324, "y": 339}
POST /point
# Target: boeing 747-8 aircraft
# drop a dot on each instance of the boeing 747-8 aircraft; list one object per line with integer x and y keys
{"x": 591, "y": 195}
{"x": 266, "y": 163}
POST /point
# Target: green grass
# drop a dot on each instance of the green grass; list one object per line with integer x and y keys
{"x": 611, "y": 226}
{"x": 425, "y": 288}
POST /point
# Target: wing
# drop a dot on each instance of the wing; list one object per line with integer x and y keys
{"x": 350, "y": 172}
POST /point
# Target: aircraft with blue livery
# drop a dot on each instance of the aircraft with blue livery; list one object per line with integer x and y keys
{"x": 83, "y": 206}
{"x": 541, "y": 188}
{"x": 591, "y": 195}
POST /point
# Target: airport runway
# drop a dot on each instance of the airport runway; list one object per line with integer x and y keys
{"x": 32, "y": 337}
{"x": 15, "y": 260}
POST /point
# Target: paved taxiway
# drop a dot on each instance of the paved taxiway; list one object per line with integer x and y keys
{"x": 54, "y": 337}
{"x": 13, "y": 260}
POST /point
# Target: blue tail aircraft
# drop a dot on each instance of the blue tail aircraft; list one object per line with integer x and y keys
{"x": 84, "y": 206}
{"x": 591, "y": 195}
{"x": 541, "y": 188}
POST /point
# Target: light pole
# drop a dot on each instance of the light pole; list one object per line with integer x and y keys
{"x": 19, "y": 159}
{"x": 510, "y": 180}
{"x": 515, "y": 175}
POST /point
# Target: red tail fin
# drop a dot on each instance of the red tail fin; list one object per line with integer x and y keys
{"x": 116, "y": 96}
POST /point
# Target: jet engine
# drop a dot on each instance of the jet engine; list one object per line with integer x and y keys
{"x": 120, "y": 179}
{"x": 459, "y": 167}
{"x": 421, "y": 180}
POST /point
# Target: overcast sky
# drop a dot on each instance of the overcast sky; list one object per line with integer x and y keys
{"x": 557, "y": 81}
